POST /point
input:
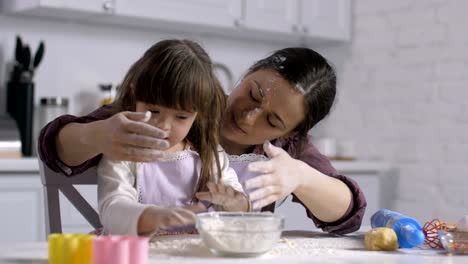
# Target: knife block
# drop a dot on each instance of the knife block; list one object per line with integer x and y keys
{"x": 20, "y": 105}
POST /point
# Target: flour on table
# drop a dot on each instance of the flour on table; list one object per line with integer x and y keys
{"x": 179, "y": 245}
{"x": 192, "y": 245}
{"x": 314, "y": 246}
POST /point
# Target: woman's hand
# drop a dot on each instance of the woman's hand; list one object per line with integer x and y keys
{"x": 280, "y": 176}
{"x": 225, "y": 196}
{"x": 154, "y": 218}
{"x": 128, "y": 136}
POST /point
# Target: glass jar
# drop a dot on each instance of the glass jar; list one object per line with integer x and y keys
{"x": 51, "y": 108}
{"x": 108, "y": 94}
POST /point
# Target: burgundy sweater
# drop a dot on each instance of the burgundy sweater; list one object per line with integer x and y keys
{"x": 350, "y": 222}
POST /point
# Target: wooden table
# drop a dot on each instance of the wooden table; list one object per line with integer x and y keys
{"x": 294, "y": 247}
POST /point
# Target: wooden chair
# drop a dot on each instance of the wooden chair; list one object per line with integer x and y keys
{"x": 54, "y": 182}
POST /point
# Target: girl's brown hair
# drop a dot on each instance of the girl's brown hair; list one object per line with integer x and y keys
{"x": 178, "y": 74}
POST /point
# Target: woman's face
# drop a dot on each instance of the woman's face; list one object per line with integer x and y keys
{"x": 263, "y": 107}
{"x": 176, "y": 123}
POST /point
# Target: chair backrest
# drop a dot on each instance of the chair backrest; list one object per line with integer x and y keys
{"x": 52, "y": 183}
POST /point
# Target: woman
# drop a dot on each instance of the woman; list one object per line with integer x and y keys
{"x": 279, "y": 100}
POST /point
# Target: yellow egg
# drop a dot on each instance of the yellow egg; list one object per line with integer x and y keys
{"x": 382, "y": 238}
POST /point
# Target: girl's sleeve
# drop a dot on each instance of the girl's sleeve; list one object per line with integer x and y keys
{"x": 229, "y": 176}
{"x": 119, "y": 209}
{"x": 352, "y": 219}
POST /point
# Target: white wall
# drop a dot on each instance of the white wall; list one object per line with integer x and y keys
{"x": 404, "y": 98}
{"x": 78, "y": 57}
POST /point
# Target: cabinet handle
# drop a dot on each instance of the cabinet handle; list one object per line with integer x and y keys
{"x": 108, "y": 6}
{"x": 305, "y": 29}
{"x": 295, "y": 28}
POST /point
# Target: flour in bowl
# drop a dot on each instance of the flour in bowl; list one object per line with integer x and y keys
{"x": 240, "y": 235}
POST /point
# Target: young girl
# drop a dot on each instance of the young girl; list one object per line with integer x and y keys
{"x": 174, "y": 84}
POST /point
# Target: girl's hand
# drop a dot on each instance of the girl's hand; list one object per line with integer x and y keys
{"x": 280, "y": 176}
{"x": 128, "y": 136}
{"x": 225, "y": 196}
{"x": 155, "y": 218}
{"x": 196, "y": 208}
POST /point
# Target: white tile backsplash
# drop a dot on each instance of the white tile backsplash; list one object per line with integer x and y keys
{"x": 407, "y": 76}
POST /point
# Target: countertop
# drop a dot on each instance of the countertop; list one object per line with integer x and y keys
{"x": 32, "y": 165}
{"x": 294, "y": 247}
{"x": 19, "y": 165}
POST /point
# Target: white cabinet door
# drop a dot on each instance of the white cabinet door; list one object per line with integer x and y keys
{"x": 21, "y": 207}
{"x": 272, "y": 15}
{"x": 81, "y": 5}
{"x": 72, "y": 220}
{"x": 326, "y": 19}
{"x": 63, "y": 9}
{"x": 202, "y": 12}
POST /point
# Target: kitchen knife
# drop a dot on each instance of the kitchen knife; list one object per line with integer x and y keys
{"x": 39, "y": 54}
{"x": 26, "y": 57}
{"x": 19, "y": 50}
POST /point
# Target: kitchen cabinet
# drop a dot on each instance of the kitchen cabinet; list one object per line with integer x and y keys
{"x": 271, "y": 15}
{"x": 213, "y": 13}
{"x": 377, "y": 180}
{"x": 62, "y": 9}
{"x": 72, "y": 220}
{"x": 326, "y": 19}
{"x": 292, "y": 21}
{"x": 82, "y": 5}
{"x": 309, "y": 19}
{"x": 22, "y": 203}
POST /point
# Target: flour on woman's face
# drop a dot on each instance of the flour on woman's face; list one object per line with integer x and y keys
{"x": 263, "y": 107}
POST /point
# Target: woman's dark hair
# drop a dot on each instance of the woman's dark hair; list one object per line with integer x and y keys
{"x": 178, "y": 74}
{"x": 311, "y": 74}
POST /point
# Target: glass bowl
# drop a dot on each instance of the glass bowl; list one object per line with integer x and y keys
{"x": 453, "y": 241}
{"x": 239, "y": 234}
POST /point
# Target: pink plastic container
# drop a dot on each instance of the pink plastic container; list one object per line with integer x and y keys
{"x": 139, "y": 248}
{"x": 120, "y": 250}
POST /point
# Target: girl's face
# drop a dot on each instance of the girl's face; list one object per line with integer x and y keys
{"x": 176, "y": 123}
{"x": 263, "y": 107}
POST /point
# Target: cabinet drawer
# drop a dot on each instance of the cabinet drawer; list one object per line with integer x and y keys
{"x": 21, "y": 204}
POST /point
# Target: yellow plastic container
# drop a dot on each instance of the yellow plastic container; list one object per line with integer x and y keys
{"x": 70, "y": 249}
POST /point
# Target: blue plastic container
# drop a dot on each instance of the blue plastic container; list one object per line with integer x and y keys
{"x": 408, "y": 230}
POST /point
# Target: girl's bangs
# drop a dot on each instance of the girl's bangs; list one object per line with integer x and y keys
{"x": 186, "y": 89}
